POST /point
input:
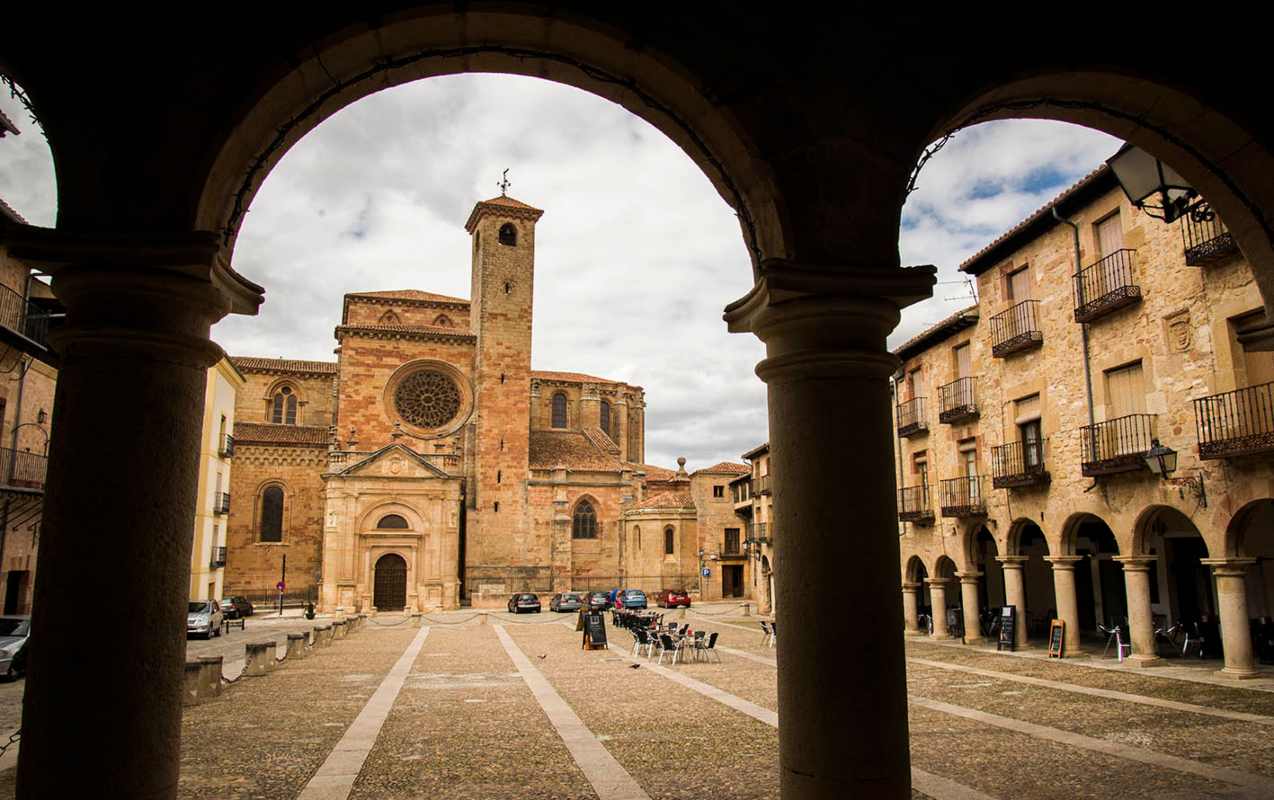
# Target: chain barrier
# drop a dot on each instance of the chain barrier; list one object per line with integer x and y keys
{"x": 13, "y": 739}
{"x": 505, "y": 617}
{"x": 719, "y": 614}
{"x": 450, "y": 622}
{"x": 402, "y": 621}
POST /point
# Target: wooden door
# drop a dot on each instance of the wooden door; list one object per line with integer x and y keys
{"x": 1110, "y": 236}
{"x": 1125, "y": 395}
{"x": 1020, "y": 285}
{"x": 390, "y": 585}
{"x": 1110, "y": 239}
{"x": 964, "y": 362}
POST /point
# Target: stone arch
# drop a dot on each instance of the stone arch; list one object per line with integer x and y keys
{"x": 1255, "y": 516}
{"x": 1156, "y": 520}
{"x": 944, "y": 567}
{"x": 391, "y": 577}
{"x": 1227, "y": 164}
{"x": 1083, "y": 523}
{"x": 284, "y": 400}
{"x": 264, "y": 494}
{"x": 971, "y": 544}
{"x": 915, "y": 571}
{"x": 1021, "y": 525}
{"x": 370, "y": 518}
{"x": 586, "y": 521}
{"x": 361, "y": 59}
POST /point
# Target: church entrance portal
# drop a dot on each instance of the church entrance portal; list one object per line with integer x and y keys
{"x": 390, "y": 592}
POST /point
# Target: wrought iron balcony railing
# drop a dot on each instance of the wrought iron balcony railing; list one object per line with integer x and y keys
{"x": 222, "y": 505}
{"x": 911, "y": 417}
{"x": 1237, "y": 423}
{"x": 218, "y": 558}
{"x": 1106, "y": 287}
{"x": 731, "y": 548}
{"x": 758, "y": 532}
{"x": 1205, "y": 239}
{"x": 22, "y": 316}
{"x": 1016, "y": 329}
{"x": 962, "y": 497}
{"x": 914, "y": 504}
{"x": 1116, "y": 445}
{"x": 761, "y": 485}
{"x": 227, "y": 446}
{"x": 22, "y": 469}
{"x": 958, "y": 401}
{"x": 1018, "y": 464}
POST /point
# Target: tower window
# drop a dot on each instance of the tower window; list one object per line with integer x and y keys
{"x": 508, "y": 287}
{"x": 271, "y": 524}
{"x": 390, "y": 318}
{"x": 584, "y": 521}
{"x": 509, "y": 234}
{"x": 443, "y": 321}
{"x": 496, "y": 506}
{"x": 606, "y": 417}
{"x": 499, "y": 474}
{"x": 559, "y": 410}
{"x": 501, "y": 377}
{"x": 670, "y": 540}
{"x": 283, "y": 407}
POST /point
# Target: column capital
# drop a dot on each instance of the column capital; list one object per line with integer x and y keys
{"x": 1228, "y": 567}
{"x": 943, "y": 582}
{"x": 823, "y": 321}
{"x": 968, "y": 577}
{"x": 1012, "y": 562}
{"x": 910, "y": 587}
{"x": 1063, "y": 562}
{"x": 1135, "y": 563}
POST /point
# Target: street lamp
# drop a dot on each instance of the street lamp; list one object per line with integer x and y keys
{"x": 1162, "y": 461}
{"x": 1142, "y": 176}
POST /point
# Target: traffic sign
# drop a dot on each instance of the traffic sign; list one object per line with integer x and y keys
{"x": 706, "y": 572}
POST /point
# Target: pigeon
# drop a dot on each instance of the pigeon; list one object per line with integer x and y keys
{"x": 634, "y": 666}
{"x": 546, "y": 655}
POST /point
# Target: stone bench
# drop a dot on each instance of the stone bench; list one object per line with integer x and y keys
{"x": 340, "y": 628}
{"x": 260, "y": 658}
{"x": 323, "y": 635}
{"x": 296, "y": 644}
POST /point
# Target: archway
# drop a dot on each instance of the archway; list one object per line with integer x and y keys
{"x": 1182, "y": 591}
{"x": 389, "y": 591}
{"x": 1250, "y": 535}
{"x": 1027, "y": 542}
{"x": 1100, "y": 593}
{"x": 981, "y": 555}
{"x": 916, "y": 579}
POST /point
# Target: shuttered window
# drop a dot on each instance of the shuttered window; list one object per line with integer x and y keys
{"x": 964, "y": 362}
{"x": 1125, "y": 391}
{"x": 1019, "y": 285}
{"x": 1110, "y": 235}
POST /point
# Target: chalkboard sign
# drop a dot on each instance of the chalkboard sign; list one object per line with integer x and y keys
{"x": 594, "y": 632}
{"x": 1008, "y": 628}
{"x": 1056, "y": 638}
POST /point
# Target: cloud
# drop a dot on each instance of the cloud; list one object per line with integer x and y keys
{"x": 636, "y": 253}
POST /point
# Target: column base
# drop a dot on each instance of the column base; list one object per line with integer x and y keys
{"x": 1135, "y": 660}
{"x": 976, "y": 640}
{"x": 1076, "y": 653}
{"x": 941, "y": 637}
{"x": 1238, "y": 674}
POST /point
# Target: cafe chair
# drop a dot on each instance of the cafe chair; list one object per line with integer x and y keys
{"x": 666, "y": 646}
{"x": 706, "y": 647}
{"x": 1115, "y": 634}
{"x": 769, "y": 634}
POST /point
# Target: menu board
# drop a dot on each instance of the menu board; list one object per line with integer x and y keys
{"x": 594, "y": 631}
{"x": 1008, "y": 628}
{"x": 1056, "y": 638}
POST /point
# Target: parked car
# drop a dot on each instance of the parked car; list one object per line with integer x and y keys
{"x": 598, "y": 601}
{"x": 632, "y": 598}
{"x": 566, "y": 601}
{"x": 524, "y": 602}
{"x": 242, "y": 604}
{"x": 15, "y": 631}
{"x": 204, "y": 617}
{"x": 230, "y": 609}
{"x": 672, "y": 598}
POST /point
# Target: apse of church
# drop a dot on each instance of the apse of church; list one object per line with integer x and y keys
{"x": 429, "y": 465}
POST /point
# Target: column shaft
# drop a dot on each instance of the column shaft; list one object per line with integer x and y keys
{"x": 1015, "y": 594}
{"x": 910, "y": 607}
{"x": 1065, "y": 599}
{"x": 1236, "y": 632}
{"x": 1141, "y": 624}
{"x": 938, "y": 601}
{"x": 971, "y": 606}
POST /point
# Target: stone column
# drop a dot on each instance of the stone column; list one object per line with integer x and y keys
{"x": 1236, "y": 632}
{"x": 1065, "y": 599}
{"x": 1015, "y": 593}
{"x": 938, "y": 602}
{"x": 1141, "y": 624}
{"x": 970, "y": 605}
{"x": 911, "y": 608}
{"x": 117, "y": 514}
{"x": 843, "y": 709}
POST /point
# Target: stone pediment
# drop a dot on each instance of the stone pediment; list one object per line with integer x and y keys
{"x": 394, "y": 461}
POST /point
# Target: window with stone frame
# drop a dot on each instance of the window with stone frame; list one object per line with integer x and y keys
{"x": 508, "y": 234}
{"x": 390, "y": 318}
{"x": 718, "y": 490}
{"x": 559, "y": 410}
{"x": 443, "y": 321}
{"x": 392, "y": 522}
{"x": 271, "y": 524}
{"x": 670, "y": 541}
{"x": 283, "y": 406}
{"x": 605, "y": 417}
{"x": 584, "y": 521}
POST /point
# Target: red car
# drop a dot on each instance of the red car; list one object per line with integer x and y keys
{"x": 672, "y": 598}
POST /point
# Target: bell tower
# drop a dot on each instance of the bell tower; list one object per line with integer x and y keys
{"x": 498, "y": 534}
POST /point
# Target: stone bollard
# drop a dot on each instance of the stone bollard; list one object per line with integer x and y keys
{"x": 259, "y": 658}
{"x": 212, "y": 675}
{"x": 747, "y": 609}
{"x": 340, "y": 628}
{"x": 362, "y": 621}
{"x": 191, "y": 694}
{"x": 296, "y": 645}
{"x": 482, "y": 618}
{"x": 417, "y": 619}
{"x": 323, "y": 634}
{"x": 681, "y": 613}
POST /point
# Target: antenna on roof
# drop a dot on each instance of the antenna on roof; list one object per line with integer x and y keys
{"x": 970, "y": 289}
{"x": 504, "y": 184}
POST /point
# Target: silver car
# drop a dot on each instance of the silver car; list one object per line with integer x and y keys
{"x": 14, "y": 632}
{"x": 203, "y": 617}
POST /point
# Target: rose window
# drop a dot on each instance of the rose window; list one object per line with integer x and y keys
{"x": 427, "y": 399}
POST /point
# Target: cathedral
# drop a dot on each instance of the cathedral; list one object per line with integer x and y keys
{"x": 429, "y": 466}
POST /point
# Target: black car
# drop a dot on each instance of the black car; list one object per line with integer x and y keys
{"x": 566, "y": 601}
{"x": 15, "y": 631}
{"x": 231, "y": 609}
{"x": 242, "y": 605}
{"x": 524, "y": 602}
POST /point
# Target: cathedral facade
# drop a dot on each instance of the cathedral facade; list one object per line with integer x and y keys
{"x": 429, "y": 465}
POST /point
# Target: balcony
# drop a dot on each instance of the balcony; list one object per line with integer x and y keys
{"x": 958, "y": 401}
{"x": 761, "y": 485}
{"x": 20, "y": 469}
{"x": 1116, "y": 445}
{"x": 911, "y": 417}
{"x": 1205, "y": 239}
{"x": 757, "y": 532}
{"x": 24, "y": 324}
{"x": 962, "y": 497}
{"x": 732, "y": 549}
{"x": 222, "y": 504}
{"x": 914, "y": 505}
{"x": 1016, "y": 329}
{"x": 1237, "y": 423}
{"x": 218, "y": 558}
{"x": 1105, "y": 287}
{"x": 227, "y": 446}
{"x": 1018, "y": 465}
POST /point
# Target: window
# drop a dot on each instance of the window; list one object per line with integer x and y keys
{"x": 584, "y": 521}
{"x": 718, "y": 491}
{"x": 508, "y": 234}
{"x": 670, "y": 541}
{"x": 1030, "y": 434}
{"x": 392, "y": 522}
{"x": 559, "y": 410}
{"x": 272, "y": 514}
{"x": 963, "y": 361}
{"x": 390, "y": 318}
{"x": 443, "y": 321}
{"x": 605, "y": 421}
{"x": 1125, "y": 391}
{"x": 1109, "y": 234}
{"x": 1018, "y": 285}
{"x": 732, "y": 540}
{"x": 915, "y": 384}
{"x": 283, "y": 409}
{"x": 920, "y": 465}
{"x": 636, "y": 538}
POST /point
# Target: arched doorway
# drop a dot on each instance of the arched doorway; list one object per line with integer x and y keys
{"x": 389, "y": 592}
{"x": 1100, "y": 594}
{"x": 983, "y": 552}
{"x": 1251, "y": 535}
{"x": 1028, "y": 548}
{"x": 1182, "y": 591}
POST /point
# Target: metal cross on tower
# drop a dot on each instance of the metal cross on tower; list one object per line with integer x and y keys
{"x": 504, "y": 184}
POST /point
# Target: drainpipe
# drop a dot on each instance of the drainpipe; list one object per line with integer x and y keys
{"x": 1083, "y": 328}
{"x": 893, "y": 395}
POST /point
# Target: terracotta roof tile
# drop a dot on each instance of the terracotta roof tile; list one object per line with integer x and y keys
{"x": 601, "y": 440}
{"x": 725, "y": 466}
{"x": 255, "y": 364}
{"x": 268, "y": 433}
{"x": 938, "y": 331}
{"x": 667, "y": 500}
{"x": 7, "y": 126}
{"x": 505, "y": 200}
{"x": 571, "y": 449}
{"x": 10, "y": 213}
{"x": 654, "y": 473}
{"x": 568, "y": 377}
{"x": 411, "y": 294}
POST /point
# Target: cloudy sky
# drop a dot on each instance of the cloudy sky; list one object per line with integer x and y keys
{"x": 636, "y": 253}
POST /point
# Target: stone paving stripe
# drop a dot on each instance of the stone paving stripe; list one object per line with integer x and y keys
{"x": 335, "y": 777}
{"x": 1110, "y": 694}
{"x": 608, "y": 777}
{"x": 1260, "y": 785}
{"x": 936, "y": 786}
{"x": 770, "y": 662}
